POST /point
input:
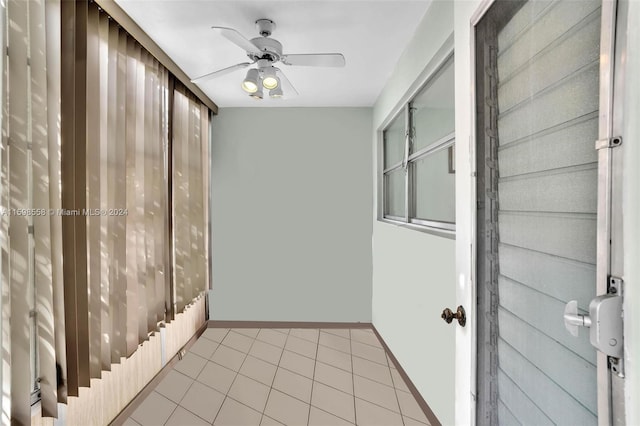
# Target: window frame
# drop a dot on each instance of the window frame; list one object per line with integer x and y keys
{"x": 443, "y": 58}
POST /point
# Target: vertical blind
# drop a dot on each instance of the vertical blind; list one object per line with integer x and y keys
{"x": 190, "y": 199}
{"x": 104, "y": 197}
{"x": 126, "y": 225}
{"x": 30, "y": 240}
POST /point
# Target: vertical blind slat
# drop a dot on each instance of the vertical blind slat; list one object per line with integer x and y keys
{"x": 150, "y": 196}
{"x": 189, "y": 136}
{"x": 105, "y": 183}
{"x": 5, "y": 305}
{"x": 178, "y": 189}
{"x": 199, "y": 184}
{"x": 132, "y": 295}
{"x": 5, "y": 301}
{"x": 93, "y": 192}
{"x": 205, "y": 173}
{"x": 79, "y": 185}
{"x": 169, "y": 244}
{"x": 18, "y": 199}
{"x": 158, "y": 180}
{"x": 41, "y": 223}
{"x": 67, "y": 162}
{"x": 53, "y": 34}
{"x": 118, "y": 42}
{"x": 190, "y": 139}
{"x": 140, "y": 193}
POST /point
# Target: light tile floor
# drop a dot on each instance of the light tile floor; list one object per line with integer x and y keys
{"x": 293, "y": 377}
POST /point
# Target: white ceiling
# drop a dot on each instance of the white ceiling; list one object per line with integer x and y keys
{"x": 371, "y": 34}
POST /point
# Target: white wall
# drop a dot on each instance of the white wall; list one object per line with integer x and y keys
{"x": 291, "y": 218}
{"x": 414, "y": 272}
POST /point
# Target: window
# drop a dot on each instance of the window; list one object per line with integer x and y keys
{"x": 418, "y": 158}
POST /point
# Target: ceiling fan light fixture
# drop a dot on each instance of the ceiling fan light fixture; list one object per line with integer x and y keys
{"x": 269, "y": 78}
{"x": 264, "y": 52}
{"x": 276, "y": 93}
{"x": 251, "y": 81}
{"x": 270, "y": 83}
{"x": 257, "y": 95}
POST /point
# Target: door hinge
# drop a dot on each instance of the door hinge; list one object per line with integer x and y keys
{"x": 605, "y": 323}
{"x": 613, "y": 142}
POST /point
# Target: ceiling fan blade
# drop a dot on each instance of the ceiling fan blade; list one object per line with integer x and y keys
{"x": 285, "y": 82}
{"x": 238, "y": 39}
{"x": 221, "y": 72}
{"x": 315, "y": 60}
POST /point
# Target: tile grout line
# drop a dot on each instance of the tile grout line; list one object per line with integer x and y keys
{"x": 353, "y": 381}
{"x": 306, "y": 339}
{"x": 184, "y": 408}
{"x": 358, "y": 356}
{"x": 313, "y": 379}
{"x": 194, "y": 380}
{"x": 179, "y": 404}
{"x": 365, "y": 343}
{"x": 328, "y": 385}
{"x": 341, "y": 351}
{"x": 346, "y": 393}
{"x": 172, "y": 411}
{"x": 395, "y": 390}
{"x": 226, "y": 395}
{"x": 353, "y": 377}
{"x": 360, "y": 375}
{"x": 209, "y": 360}
{"x": 263, "y": 415}
{"x": 187, "y": 391}
{"x": 277, "y": 367}
{"x": 274, "y": 376}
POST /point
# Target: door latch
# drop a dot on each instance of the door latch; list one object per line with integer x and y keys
{"x": 604, "y": 319}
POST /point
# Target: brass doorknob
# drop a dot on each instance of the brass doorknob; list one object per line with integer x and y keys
{"x": 448, "y": 315}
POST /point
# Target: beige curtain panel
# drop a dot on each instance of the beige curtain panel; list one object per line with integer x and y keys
{"x": 104, "y": 178}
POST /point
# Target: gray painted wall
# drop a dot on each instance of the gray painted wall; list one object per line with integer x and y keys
{"x": 291, "y": 214}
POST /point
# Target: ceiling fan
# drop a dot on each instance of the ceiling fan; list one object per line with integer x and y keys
{"x": 265, "y": 52}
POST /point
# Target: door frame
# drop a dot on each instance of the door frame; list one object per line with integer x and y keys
{"x": 609, "y": 222}
{"x": 466, "y": 294}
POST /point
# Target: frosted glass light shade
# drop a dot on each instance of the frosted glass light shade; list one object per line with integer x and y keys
{"x": 250, "y": 83}
{"x": 276, "y": 93}
{"x": 269, "y": 78}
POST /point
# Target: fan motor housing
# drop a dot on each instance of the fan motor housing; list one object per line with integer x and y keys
{"x": 265, "y": 27}
{"x": 272, "y": 49}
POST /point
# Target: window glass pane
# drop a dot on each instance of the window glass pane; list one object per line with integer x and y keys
{"x": 434, "y": 186}
{"x": 432, "y": 110}
{"x": 394, "y": 193}
{"x": 394, "y": 141}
